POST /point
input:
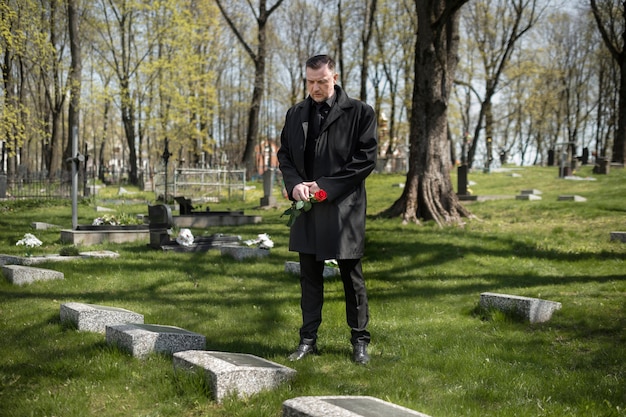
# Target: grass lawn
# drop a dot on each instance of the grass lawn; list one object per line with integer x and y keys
{"x": 432, "y": 350}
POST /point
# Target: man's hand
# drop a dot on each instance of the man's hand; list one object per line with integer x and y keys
{"x": 304, "y": 190}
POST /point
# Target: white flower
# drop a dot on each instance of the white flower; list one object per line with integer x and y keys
{"x": 185, "y": 237}
{"x": 332, "y": 263}
{"x": 263, "y": 241}
{"x": 107, "y": 219}
{"x": 29, "y": 240}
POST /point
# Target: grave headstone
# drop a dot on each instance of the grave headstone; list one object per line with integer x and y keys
{"x": 142, "y": 339}
{"x": 530, "y": 192}
{"x": 43, "y": 226}
{"x": 160, "y": 220}
{"x": 534, "y": 310}
{"x": 233, "y": 373}
{"x": 621, "y": 236}
{"x": 95, "y": 318}
{"x": 185, "y": 205}
{"x": 575, "y": 198}
{"x": 20, "y": 274}
{"x": 345, "y": 406}
{"x": 243, "y": 252}
{"x": 33, "y": 260}
{"x": 528, "y": 197}
{"x": 268, "y": 185}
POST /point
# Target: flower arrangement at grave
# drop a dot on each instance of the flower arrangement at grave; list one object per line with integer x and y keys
{"x": 115, "y": 220}
{"x": 184, "y": 237}
{"x": 297, "y": 207}
{"x": 30, "y": 241}
{"x": 263, "y": 241}
{"x": 105, "y": 220}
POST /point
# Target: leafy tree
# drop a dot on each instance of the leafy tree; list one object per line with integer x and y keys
{"x": 259, "y": 58}
{"x": 428, "y": 193}
{"x": 394, "y": 58}
{"x": 496, "y": 26}
{"x": 610, "y": 16}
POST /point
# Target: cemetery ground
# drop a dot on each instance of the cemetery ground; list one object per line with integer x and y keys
{"x": 433, "y": 350}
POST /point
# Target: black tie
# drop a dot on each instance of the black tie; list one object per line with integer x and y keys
{"x": 317, "y": 118}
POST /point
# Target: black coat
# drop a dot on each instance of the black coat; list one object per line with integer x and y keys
{"x": 345, "y": 155}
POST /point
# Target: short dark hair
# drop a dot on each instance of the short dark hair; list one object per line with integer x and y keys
{"x": 318, "y": 61}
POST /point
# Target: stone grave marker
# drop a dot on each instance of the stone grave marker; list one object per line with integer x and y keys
{"x": 528, "y": 197}
{"x": 233, "y": 373}
{"x": 243, "y": 252}
{"x": 621, "y": 236}
{"x": 20, "y": 274}
{"x": 33, "y": 260}
{"x": 531, "y": 191}
{"x": 95, "y": 318}
{"x": 575, "y": 198}
{"x": 43, "y": 226}
{"x": 534, "y": 310}
{"x": 345, "y": 406}
{"x": 142, "y": 339}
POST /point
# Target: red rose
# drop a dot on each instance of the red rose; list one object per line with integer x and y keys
{"x": 320, "y": 196}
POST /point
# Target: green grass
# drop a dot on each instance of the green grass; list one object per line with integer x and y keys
{"x": 432, "y": 350}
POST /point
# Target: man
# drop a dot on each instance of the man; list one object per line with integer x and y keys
{"x": 329, "y": 142}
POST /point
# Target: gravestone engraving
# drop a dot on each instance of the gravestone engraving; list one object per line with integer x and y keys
{"x": 228, "y": 373}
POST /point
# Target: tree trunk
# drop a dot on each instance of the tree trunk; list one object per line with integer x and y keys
{"x": 619, "y": 143}
{"x": 252, "y": 134}
{"x": 128, "y": 120}
{"x": 366, "y": 36}
{"x": 428, "y": 193}
{"x": 618, "y": 52}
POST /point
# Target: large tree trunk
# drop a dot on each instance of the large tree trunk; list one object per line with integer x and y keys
{"x": 428, "y": 193}
{"x": 252, "y": 134}
{"x": 128, "y": 120}
{"x": 606, "y": 21}
{"x": 619, "y": 143}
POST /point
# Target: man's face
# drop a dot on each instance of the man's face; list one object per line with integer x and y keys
{"x": 320, "y": 83}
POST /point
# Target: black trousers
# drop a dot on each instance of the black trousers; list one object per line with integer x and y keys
{"x": 312, "y": 298}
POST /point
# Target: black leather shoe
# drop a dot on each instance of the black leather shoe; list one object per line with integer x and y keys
{"x": 305, "y": 348}
{"x": 359, "y": 353}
